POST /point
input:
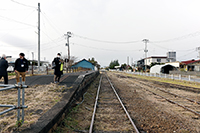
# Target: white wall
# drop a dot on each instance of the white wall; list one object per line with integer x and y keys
{"x": 176, "y": 64}
{"x": 153, "y": 60}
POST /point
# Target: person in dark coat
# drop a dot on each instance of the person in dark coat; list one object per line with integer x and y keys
{"x": 3, "y": 69}
{"x": 58, "y": 68}
{"x": 21, "y": 68}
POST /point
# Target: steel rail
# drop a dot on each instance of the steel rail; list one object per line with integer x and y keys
{"x": 95, "y": 106}
{"x": 123, "y": 106}
{"x": 191, "y": 100}
{"x": 188, "y": 109}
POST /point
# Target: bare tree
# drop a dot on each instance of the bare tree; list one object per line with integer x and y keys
{"x": 71, "y": 61}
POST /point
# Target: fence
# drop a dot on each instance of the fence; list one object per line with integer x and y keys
{"x": 19, "y": 106}
{"x": 47, "y": 70}
{"x": 192, "y": 78}
{"x": 171, "y": 76}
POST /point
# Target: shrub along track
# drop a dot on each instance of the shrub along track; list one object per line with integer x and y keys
{"x": 150, "y": 113}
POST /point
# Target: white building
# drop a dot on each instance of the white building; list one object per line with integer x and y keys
{"x": 171, "y": 56}
{"x": 155, "y": 59}
{"x": 175, "y": 64}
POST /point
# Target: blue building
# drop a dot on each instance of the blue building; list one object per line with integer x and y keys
{"x": 84, "y": 64}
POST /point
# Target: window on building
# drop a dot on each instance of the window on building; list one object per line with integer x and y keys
{"x": 158, "y": 60}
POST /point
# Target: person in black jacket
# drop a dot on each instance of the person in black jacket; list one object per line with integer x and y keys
{"x": 3, "y": 69}
{"x": 58, "y": 68}
{"x": 21, "y": 67}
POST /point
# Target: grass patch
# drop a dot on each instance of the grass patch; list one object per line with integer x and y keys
{"x": 11, "y": 74}
{"x": 38, "y": 98}
{"x": 70, "y": 123}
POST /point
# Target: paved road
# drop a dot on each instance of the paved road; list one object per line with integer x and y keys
{"x": 47, "y": 79}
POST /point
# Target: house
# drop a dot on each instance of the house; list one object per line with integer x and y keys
{"x": 190, "y": 65}
{"x": 155, "y": 59}
{"x": 84, "y": 64}
{"x": 140, "y": 64}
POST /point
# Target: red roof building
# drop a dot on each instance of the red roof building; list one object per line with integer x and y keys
{"x": 191, "y": 65}
{"x": 189, "y": 62}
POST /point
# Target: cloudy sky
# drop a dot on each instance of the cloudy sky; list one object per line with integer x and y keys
{"x": 104, "y": 29}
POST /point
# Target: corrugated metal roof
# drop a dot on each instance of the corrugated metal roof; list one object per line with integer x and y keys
{"x": 189, "y": 62}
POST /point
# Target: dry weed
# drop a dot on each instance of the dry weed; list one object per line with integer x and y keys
{"x": 38, "y": 98}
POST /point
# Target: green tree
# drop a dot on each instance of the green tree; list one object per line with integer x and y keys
{"x": 113, "y": 64}
{"x": 155, "y": 63}
{"x": 123, "y": 66}
{"x": 95, "y": 63}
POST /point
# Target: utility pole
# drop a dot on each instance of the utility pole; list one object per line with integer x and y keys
{"x": 38, "y": 37}
{"x": 131, "y": 61}
{"x": 32, "y": 55}
{"x": 32, "y": 61}
{"x": 145, "y": 51}
{"x": 198, "y": 49}
{"x": 68, "y": 35}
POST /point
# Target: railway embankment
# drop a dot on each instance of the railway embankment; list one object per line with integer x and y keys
{"x": 49, "y": 120}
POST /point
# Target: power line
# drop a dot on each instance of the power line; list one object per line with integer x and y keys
{"x": 52, "y": 47}
{"x": 179, "y": 38}
{"x": 18, "y": 46}
{"x": 24, "y": 4}
{"x": 16, "y": 29}
{"x": 7, "y": 9}
{"x": 51, "y": 23}
{"x": 159, "y": 46}
{"x": 96, "y": 40}
{"x": 17, "y": 21}
{"x": 185, "y": 50}
{"x": 104, "y": 48}
{"x": 59, "y": 39}
{"x": 49, "y": 37}
{"x": 186, "y": 54}
{"x": 181, "y": 50}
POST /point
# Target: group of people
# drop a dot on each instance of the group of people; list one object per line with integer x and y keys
{"x": 21, "y": 68}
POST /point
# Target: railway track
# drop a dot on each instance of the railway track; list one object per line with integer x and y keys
{"x": 109, "y": 112}
{"x": 188, "y": 104}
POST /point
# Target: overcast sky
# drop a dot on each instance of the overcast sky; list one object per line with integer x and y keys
{"x": 97, "y": 24}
